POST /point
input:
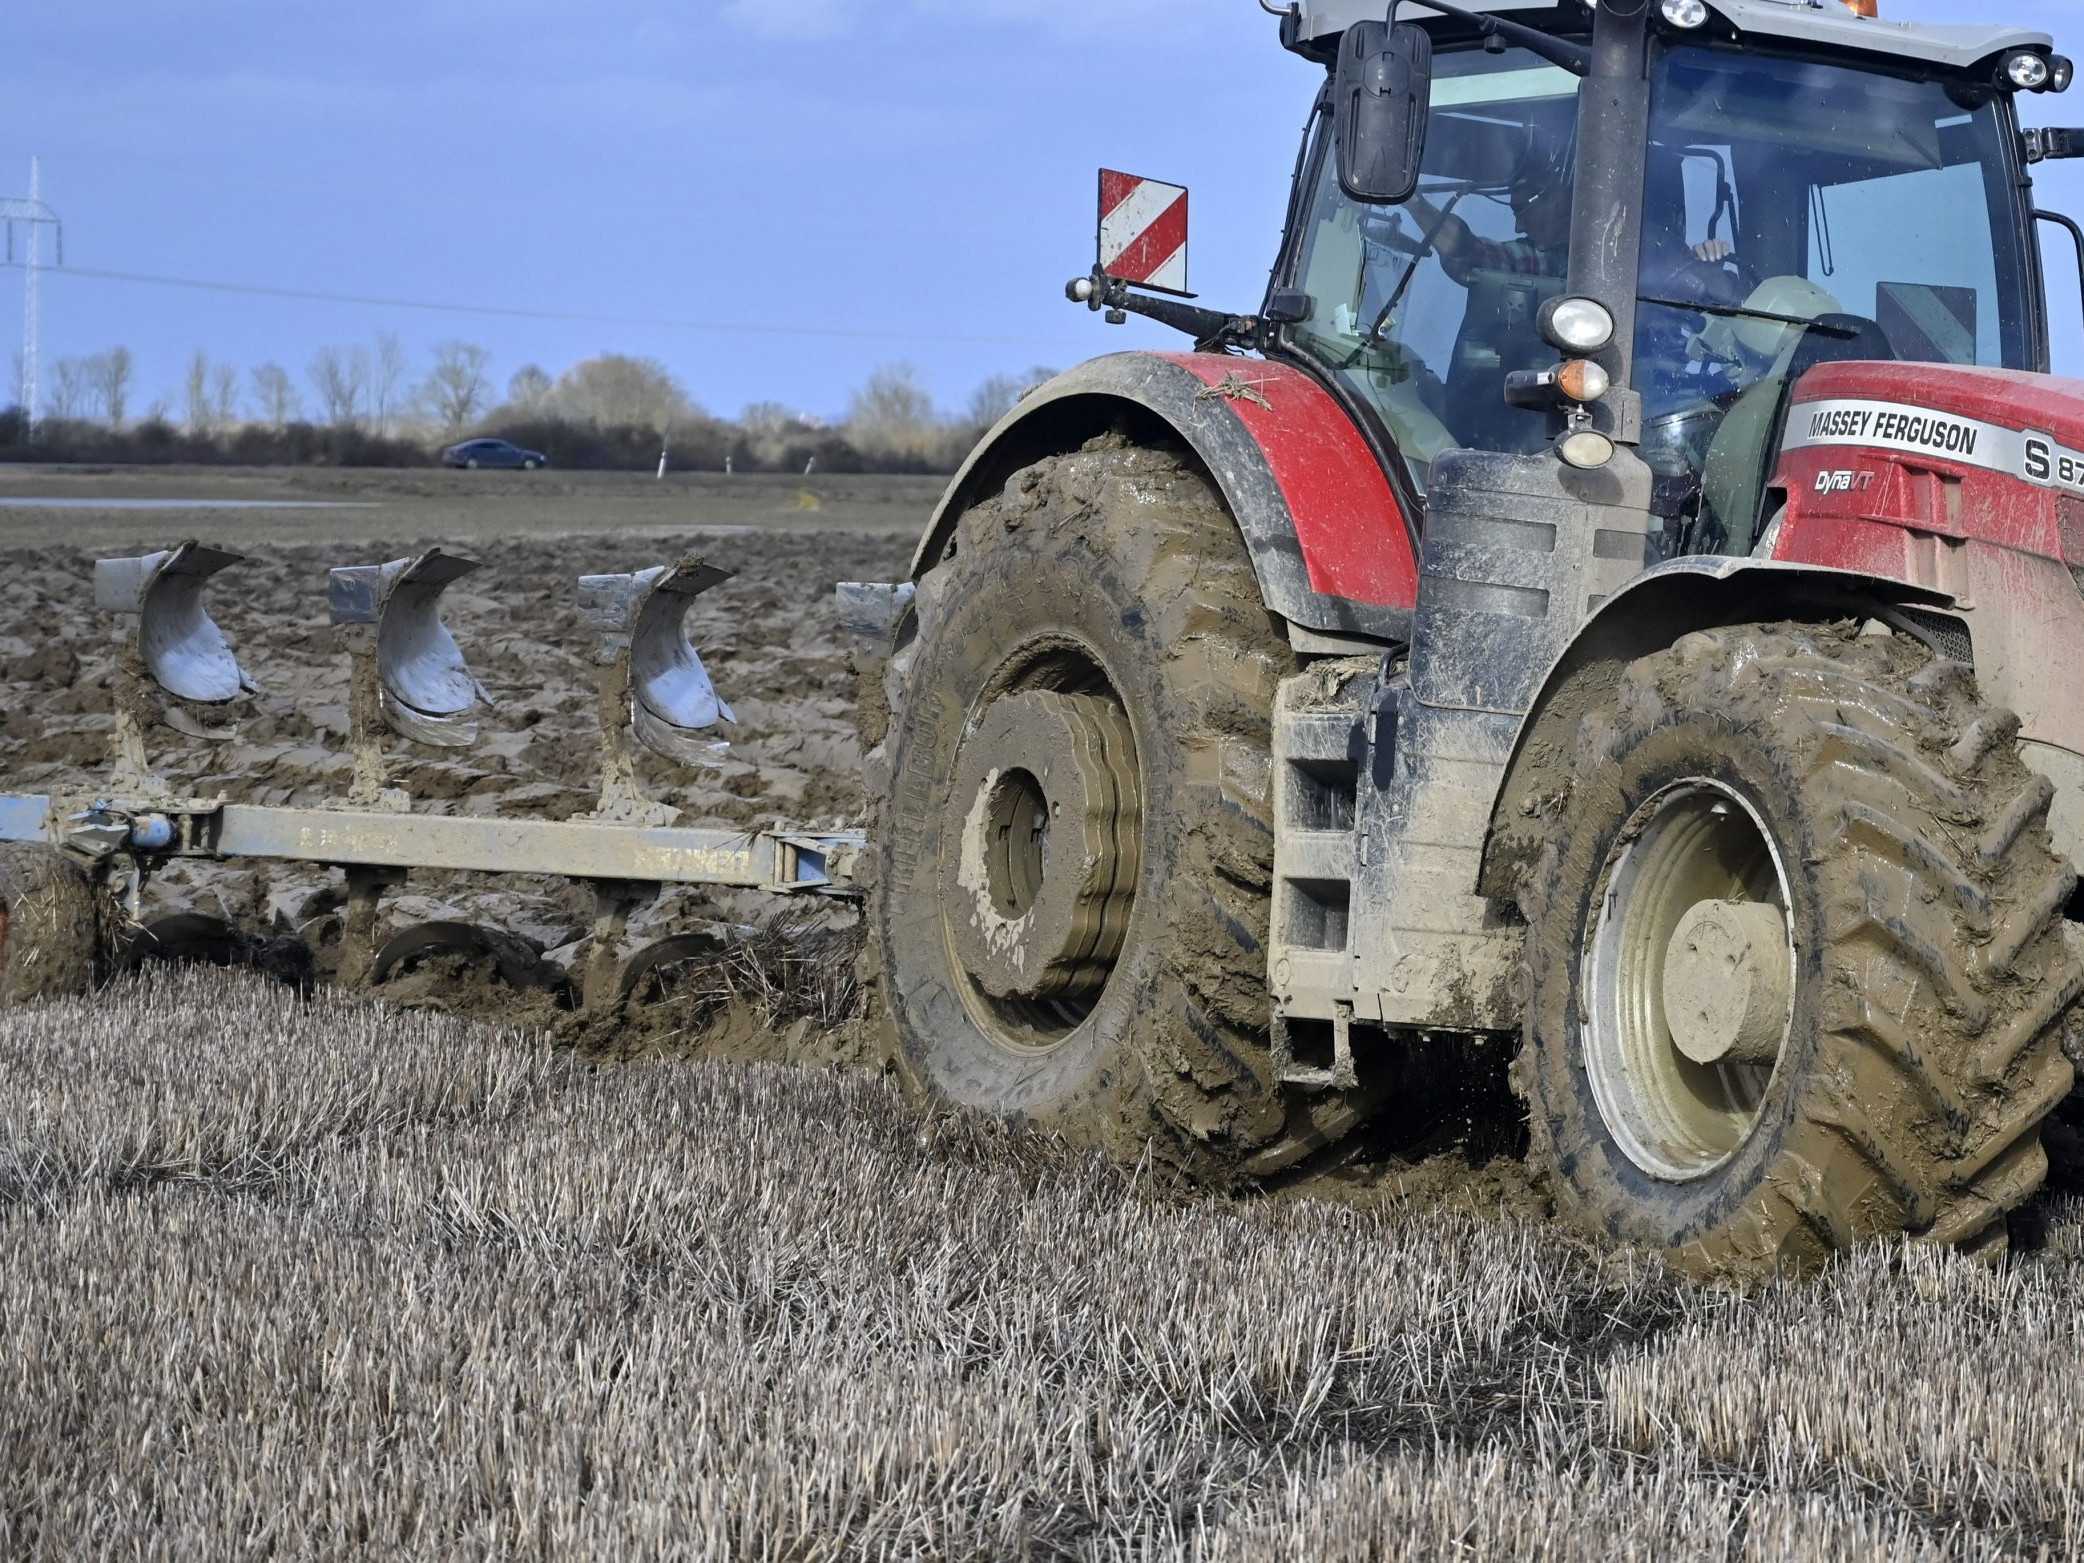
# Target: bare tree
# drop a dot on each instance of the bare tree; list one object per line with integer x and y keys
{"x": 990, "y": 402}
{"x": 339, "y": 378}
{"x": 529, "y": 390}
{"x": 69, "y": 388}
{"x": 195, "y": 394}
{"x": 767, "y": 428}
{"x": 615, "y": 389}
{"x": 1000, "y": 394}
{"x": 764, "y": 420}
{"x": 458, "y": 386}
{"x": 892, "y": 415}
{"x": 386, "y": 376}
{"x": 275, "y": 394}
{"x": 224, "y": 395}
{"x": 111, "y": 373}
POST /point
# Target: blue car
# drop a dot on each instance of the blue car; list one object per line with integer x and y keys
{"x": 493, "y": 453}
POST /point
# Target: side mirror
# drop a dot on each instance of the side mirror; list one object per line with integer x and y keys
{"x": 1382, "y": 93}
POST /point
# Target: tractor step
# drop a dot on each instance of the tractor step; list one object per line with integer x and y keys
{"x": 1379, "y": 811}
{"x": 1320, "y": 746}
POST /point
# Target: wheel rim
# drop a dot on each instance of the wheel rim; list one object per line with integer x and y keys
{"x": 1041, "y": 845}
{"x": 1689, "y": 978}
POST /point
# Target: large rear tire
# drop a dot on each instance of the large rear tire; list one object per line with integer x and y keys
{"x": 48, "y": 926}
{"x": 1798, "y": 963}
{"x": 1075, "y": 844}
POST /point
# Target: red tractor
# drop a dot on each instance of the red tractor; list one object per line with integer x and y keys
{"x": 1617, "y": 599}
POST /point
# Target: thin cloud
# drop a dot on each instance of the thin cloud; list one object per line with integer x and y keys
{"x": 794, "y": 18}
{"x": 816, "y": 19}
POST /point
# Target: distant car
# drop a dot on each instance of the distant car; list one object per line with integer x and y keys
{"x": 493, "y": 453}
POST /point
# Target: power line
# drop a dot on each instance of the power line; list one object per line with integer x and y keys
{"x": 503, "y": 312}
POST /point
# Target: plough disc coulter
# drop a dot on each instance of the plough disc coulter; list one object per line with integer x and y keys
{"x": 411, "y": 683}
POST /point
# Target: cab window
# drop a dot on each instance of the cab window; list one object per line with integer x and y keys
{"x": 1798, "y": 212}
{"x": 1423, "y": 309}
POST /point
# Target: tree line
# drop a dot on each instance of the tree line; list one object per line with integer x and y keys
{"x": 368, "y": 404}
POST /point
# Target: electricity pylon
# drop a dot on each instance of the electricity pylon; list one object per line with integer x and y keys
{"x": 32, "y": 216}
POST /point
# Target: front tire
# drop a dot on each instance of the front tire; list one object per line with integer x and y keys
{"x": 1075, "y": 842}
{"x": 1797, "y": 956}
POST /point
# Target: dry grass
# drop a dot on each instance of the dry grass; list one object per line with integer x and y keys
{"x": 287, "y": 1280}
{"x": 797, "y": 965}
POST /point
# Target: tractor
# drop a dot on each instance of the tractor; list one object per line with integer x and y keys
{"x": 1608, "y": 608}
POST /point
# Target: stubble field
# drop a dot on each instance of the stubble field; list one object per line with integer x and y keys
{"x": 286, "y": 1277}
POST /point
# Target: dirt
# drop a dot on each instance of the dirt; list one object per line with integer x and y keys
{"x": 1445, "y": 1181}
{"x": 771, "y": 638}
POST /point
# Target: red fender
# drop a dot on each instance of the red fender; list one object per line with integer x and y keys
{"x": 1332, "y": 548}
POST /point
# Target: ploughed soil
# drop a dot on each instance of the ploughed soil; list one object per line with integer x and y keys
{"x": 770, "y": 638}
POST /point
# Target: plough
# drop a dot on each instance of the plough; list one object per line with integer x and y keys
{"x": 410, "y": 682}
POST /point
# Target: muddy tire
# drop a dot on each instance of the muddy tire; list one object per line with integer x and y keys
{"x": 48, "y": 926}
{"x": 1075, "y": 840}
{"x": 1879, "y": 1056}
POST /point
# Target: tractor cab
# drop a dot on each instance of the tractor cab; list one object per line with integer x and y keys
{"x": 1814, "y": 185}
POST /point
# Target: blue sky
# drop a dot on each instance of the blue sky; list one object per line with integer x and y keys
{"x": 850, "y": 183}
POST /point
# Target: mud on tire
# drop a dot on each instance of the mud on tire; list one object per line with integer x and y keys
{"x": 1931, "y": 970}
{"x": 48, "y": 926}
{"x": 1115, "y": 569}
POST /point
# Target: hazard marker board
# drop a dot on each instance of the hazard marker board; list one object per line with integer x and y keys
{"x": 1143, "y": 231}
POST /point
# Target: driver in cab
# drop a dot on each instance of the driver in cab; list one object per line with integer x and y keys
{"x": 1540, "y": 200}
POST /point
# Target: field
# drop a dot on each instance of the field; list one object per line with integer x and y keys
{"x": 290, "y": 1278}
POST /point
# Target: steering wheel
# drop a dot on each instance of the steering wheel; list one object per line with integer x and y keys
{"x": 1745, "y": 275}
{"x": 1687, "y": 279}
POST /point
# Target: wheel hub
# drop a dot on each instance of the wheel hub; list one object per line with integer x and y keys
{"x": 1727, "y": 987}
{"x": 1045, "y": 823}
{"x": 1688, "y": 979}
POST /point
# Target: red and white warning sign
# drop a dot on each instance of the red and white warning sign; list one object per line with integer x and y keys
{"x": 1143, "y": 231}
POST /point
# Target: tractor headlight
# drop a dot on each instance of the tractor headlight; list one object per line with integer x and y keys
{"x": 1578, "y": 326}
{"x": 1688, "y": 14}
{"x": 1586, "y": 449}
{"x": 2063, "y": 73}
{"x": 2027, "y": 71}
